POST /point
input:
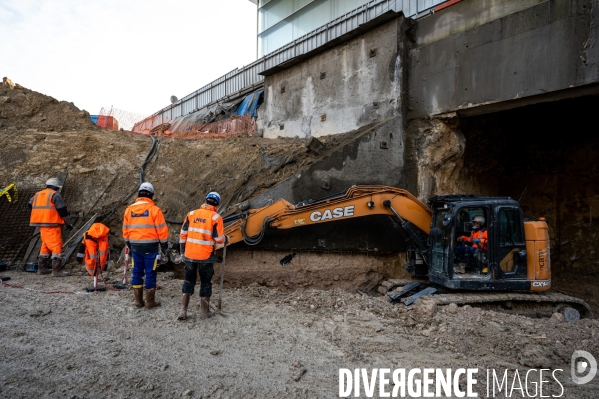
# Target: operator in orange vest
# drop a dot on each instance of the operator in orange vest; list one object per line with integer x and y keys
{"x": 479, "y": 240}
{"x": 202, "y": 230}
{"x": 145, "y": 232}
{"x": 49, "y": 213}
{"x": 478, "y": 235}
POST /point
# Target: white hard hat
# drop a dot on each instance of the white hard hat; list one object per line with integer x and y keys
{"x": 147, "y": 187}
{"x": 53, "y": 182}
{"x": 479, "y": 219}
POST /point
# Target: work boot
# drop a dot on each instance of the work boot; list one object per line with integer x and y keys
{"x": 461, "y": 268}
{"x": 41, "y": 266}
{"x": 57, "y": 269}
{"x": 139, "y": 297}
{"x": 184, "y": 303}
{"x": 205, "y": 306}
{"x": 151, "y": 302}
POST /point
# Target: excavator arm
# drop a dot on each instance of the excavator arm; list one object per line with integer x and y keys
{"x": 357, "y": 201}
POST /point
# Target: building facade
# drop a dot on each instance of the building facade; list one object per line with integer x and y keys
{"x": 283, "y": 21}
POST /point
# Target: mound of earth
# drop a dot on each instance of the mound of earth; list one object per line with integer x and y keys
{"x": 21, "y": 109}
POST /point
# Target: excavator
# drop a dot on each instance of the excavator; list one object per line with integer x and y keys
{"x": 513, "y": 269}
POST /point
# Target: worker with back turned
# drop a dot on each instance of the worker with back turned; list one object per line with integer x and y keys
{"x": 49, "y": 213}
{"x": 202, "y": 229}
{"x": 145, "y": 232}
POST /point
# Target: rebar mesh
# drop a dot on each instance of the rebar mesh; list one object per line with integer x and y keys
{"x": 14, "y": 226}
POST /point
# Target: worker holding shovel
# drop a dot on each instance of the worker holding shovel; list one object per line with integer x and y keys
{"x": 202, "y": 229}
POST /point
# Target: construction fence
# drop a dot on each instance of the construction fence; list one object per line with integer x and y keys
{"x": 233, "y": 126}
{"x": 216, "y": 120}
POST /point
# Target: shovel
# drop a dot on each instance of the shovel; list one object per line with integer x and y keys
{"x": 222, "y": 276}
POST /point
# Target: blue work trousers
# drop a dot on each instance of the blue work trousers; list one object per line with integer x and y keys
{"x": 144, "y": 263}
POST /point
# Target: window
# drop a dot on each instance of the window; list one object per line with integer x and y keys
{"x": 510, "y": 231}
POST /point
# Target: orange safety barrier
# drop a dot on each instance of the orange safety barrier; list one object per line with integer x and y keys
{"x": 232, "y": 126}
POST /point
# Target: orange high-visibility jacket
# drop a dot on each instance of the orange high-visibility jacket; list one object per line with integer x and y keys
{"x": 43, "y": 210}
{"x": 197, "y": 232}
{"x": 96, "y": 247}
{"x": 481, "y": 235}
{"x": 144, "y": 223}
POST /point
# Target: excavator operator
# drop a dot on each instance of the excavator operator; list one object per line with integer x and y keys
{"x": 479, "y": 240}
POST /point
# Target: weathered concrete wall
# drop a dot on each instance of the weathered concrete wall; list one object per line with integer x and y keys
{"x": 481, "y": 52}
{"x": 359, "y": 87}
{"x": 375, "y": 156}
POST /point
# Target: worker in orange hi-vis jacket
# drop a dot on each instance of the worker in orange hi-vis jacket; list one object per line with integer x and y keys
{"x": 49, "y": 213}
{"x": 202, "y": 229}
{"x": 145, "y": 232}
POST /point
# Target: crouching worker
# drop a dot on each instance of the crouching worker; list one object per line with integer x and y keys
{"x": 145, "y": 232}
{"x": 202, "y": 230}
{"x": 94, "y": 249}
{"x": 49, "y": 213}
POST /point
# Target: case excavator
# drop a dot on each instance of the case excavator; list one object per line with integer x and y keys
{"x": 512, "y": 270}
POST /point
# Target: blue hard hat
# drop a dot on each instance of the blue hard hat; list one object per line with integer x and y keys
{"x": 214, "y": 196}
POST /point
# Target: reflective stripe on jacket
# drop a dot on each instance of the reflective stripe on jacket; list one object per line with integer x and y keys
{"x": 43, "y": 210}
{"x": 202, "y": 229}
{"x": 96, "y": 247}
{"x": 144, "y": 223}
{"x": 481, "y": 235}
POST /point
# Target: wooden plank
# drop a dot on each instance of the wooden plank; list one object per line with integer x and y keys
{"x": 75, "y": 243}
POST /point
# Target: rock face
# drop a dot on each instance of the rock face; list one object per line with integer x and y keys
{"x": 544, "y": 154}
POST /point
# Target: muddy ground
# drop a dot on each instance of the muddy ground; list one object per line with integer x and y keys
{"x": 92, "y": 345}
{"x": 276, "y": 325}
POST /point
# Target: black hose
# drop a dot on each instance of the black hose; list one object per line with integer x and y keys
{"x": 106, "y": 216}
{"x": 254, "y": 240}
{"x": 150, "y": 154}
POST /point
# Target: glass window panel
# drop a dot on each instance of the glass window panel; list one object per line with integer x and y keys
{"x": 262, "y": 3}
{"x": 274, "y": 12}
{"x": 311, "y": 17}
{"x": 277, "y": 37}
{"x": 510, "y": 232}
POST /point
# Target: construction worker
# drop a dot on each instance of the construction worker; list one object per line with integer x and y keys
{"x": 478, "y": 238}
{"x": 145, "y": 232}
{"x": 202, "y": 229}
{"x": 94, "y": 249}
{"x": 49, "y": 213}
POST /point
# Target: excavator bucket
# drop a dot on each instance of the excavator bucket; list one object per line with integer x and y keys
{"x": 10, "y": 192}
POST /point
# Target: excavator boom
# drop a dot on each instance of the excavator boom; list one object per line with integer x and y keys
{"x": 357, "y": 201}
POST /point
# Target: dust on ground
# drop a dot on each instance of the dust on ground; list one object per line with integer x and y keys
{"x": 89, "y": 345}
{"x": 79, "y": 345}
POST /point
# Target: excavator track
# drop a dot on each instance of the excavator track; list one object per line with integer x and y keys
{"x": 531, "y": 304}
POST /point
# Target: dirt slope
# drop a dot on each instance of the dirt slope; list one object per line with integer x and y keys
{"x": 21, "y": 108}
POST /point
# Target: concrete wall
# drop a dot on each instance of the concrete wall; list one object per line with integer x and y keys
{"x": 483, "y": 51}
{"x": 357, "y": 90}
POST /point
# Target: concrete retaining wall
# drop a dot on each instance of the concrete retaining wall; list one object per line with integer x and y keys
{"x": 342, "y": 89}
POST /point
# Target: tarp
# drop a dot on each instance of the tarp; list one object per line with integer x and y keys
{"x": 250, "y": 103}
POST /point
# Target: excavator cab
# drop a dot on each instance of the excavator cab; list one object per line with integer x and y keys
{"x": 499, "y": 262}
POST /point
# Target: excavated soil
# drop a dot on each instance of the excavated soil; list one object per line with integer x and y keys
{"x": 92, "y": 345}
{"x": 283, "y": 340}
